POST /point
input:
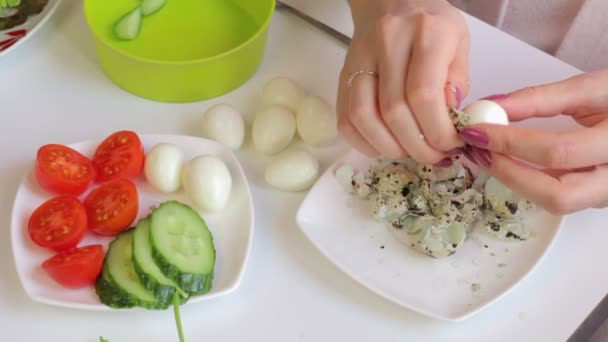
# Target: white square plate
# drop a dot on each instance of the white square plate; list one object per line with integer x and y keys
{"x": 232, "y": 228}
{"x": 348, "y": 235}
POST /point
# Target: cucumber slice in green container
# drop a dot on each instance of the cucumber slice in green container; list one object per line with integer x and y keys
{"x": 128, "y": 27}
{"x": 149, "y": 7}
{"x": 149, "y": 274}
{"x": 182, "y": 246}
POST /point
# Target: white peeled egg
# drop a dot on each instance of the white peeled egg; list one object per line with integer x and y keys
{"x": 316, "y": 122}
{"x": 486, "y": 111}
{"x": 273, "y": 129}
{"x": 208, "y": 182}
{"x": 163, "y": 167}
{"x": 224, "y": 124}
{"x": 282, "y": 91}
{"x": 293, "y": 170}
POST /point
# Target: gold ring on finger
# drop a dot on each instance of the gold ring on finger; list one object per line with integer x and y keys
{"x": 359, "y": 72}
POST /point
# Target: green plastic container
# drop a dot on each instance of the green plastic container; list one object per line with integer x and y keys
{"x": 190, "y": 50}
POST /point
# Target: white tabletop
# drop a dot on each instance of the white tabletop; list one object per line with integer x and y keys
{"x": 52, "y": 90}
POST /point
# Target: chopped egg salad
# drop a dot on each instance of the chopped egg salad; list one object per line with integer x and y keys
{"x": 433, "y": 209}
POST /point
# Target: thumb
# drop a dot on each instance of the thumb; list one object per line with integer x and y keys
{"x": 568, "y": 97}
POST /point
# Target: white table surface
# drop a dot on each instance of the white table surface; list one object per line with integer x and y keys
{"x": 52, "y": 90}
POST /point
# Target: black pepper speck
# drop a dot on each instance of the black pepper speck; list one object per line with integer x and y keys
{"x": 511, "y": 235}
{"x": 512, "y": 207}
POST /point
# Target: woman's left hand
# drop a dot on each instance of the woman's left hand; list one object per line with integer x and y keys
{"x": 561, "y": 172}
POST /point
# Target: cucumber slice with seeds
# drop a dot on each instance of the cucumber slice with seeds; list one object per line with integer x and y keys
{"x": 182, "y": 246}
{"x": 149, "y": 274}
{"x": 128, "y": 27}
{"x": 149, "y": 7}
{"x": 122, "y": 273}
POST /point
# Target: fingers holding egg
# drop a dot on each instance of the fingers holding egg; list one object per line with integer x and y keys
{"x": 485, "y": 112}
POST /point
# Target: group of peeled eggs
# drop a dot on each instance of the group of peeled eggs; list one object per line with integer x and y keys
{"x": 286, "y": 111}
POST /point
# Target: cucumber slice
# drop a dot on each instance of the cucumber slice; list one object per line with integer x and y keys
{"x": 109, "y": 294}
{"x": 128, "y": 27}
{"x": 122, "y": 272}
{"x": 182, "y": 246}
{"x": 149, "y": 7}
{"x": 13, "y": 3}
{"x": 149, "y": 274}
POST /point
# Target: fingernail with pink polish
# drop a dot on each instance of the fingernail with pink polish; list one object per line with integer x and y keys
{"x": 467, "y": 153}
{"x": 446, "y": 162}
{"x": 482, "y": 156}
{"x": 474, "y": 137}
{"x": 495, "y": 97}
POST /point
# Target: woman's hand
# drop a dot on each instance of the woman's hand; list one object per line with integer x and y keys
{"x": 570, "y": 169}
{"x": 419, "y": 51}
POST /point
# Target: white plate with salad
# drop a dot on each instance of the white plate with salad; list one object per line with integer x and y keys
{"x": 177, "y": 209}
{"x": 468, "y": 273}
{"x": 21, "y": 19}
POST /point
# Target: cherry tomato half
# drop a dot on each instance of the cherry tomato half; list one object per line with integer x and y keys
{"x": 63, "y": 170}
{"x": 112, "y": 207}
{"x": 121, "y": 155}
{"x": 59, "y": 223}
{"x": 76, "y": 267}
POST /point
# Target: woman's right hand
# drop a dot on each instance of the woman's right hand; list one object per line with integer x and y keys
{"x": 419, "y": 51}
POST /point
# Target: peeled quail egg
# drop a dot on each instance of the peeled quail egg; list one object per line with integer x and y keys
{"x": 294, "y": 170}
{"x": 163, "y": 167}
{"x": 282, "y": 91}
{"x": 273, "y": 129}
{"x": 224, "y": 124}
{"x": 316, "y": 122}
{"x": 485, "y": 111}
{"x": 208, "y": 182}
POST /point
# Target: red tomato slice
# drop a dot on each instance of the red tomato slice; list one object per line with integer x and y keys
{"x": 59, "y": 223}
{"x": 76, "y": 267}
{"x": 121, "y": 155}
{"x": 63, "y": 170}
{"x": 112, "y": 207}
